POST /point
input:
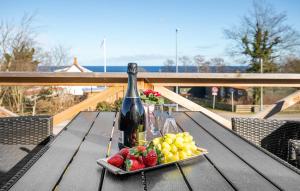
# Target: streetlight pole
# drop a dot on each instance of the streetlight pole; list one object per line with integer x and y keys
{"x": 176, "y": 55}
{"x": 104, "y": 53}
{"x": 176, "y": 59}
{"x": 103, "y": 45}
{"x": 232, "y": 100}
{"x": 261, "y": 88}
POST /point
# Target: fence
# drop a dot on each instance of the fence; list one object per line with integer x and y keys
{"x": 117, "y": 83}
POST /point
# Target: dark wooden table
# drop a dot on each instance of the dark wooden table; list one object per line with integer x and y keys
{"x": 232, "y": 163}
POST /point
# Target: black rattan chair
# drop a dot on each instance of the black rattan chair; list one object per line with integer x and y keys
{"x": 21, "y": 138}
{"x": 294, "y": 152}
{"x": 272, "y": 135}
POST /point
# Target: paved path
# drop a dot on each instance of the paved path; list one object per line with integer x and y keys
{"x": 279, "y": 116}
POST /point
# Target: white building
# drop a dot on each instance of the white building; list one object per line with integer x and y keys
{"x": 75, "y": 90}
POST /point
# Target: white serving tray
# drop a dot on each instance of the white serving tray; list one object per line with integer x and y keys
{"x": 117, "y": 171}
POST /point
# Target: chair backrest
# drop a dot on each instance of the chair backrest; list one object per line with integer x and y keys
{"x": 25, "y": 130}
{"x": 294, "y": 152}
{"x": 254, "y": 129}
{"x": 272, "y": 135}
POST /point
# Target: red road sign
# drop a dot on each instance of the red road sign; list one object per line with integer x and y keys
{"x": 214, "y": 90}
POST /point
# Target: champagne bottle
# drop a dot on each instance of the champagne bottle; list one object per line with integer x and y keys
{"x": 132, "y": 115}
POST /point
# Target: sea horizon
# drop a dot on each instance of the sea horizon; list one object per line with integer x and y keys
{"x": 225, "y": 69}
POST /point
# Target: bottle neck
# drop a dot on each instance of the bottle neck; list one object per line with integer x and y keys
{"x": 132, "y": 90}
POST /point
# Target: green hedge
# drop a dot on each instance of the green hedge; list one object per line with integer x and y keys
{"x": 105, "y": 106}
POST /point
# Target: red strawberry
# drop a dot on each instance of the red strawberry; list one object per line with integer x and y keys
{"x": 140, "y": 159}
{"x": 142, "y": 165}
{"x": 116, "y": 160}
{"x": 132, "y": 154}
{"x": 132, "y": 164}
{"x": 150, "y": 158}
{"x": 141, "y": 149}
{"x": 124, "y": 152}
{"x": 136, "y": 152}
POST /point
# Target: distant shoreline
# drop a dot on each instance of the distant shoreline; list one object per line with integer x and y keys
{"x": 226, "y": 69}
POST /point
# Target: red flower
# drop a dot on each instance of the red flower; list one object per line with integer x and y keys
{"x": 149, "y": 91}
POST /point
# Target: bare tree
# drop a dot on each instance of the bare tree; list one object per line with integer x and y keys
{"x": 291, "y": 64}
{"x": 56, "y": 56}
{"x": 61, "y": 55}
{"x": 17, "y": 51}
{"x": 206, "y": 67}
{"x": 219, "y": 63}
{"x": 186, "y": 62}
{"x": 14, "y": 36}
{"x": 17, "y": 42}
{"x": 168, "y": 66}
{"x": 199, "y": 62}
{"x": 263, "y": 34}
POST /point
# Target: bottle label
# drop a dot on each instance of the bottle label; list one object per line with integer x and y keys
{"x": 121, "y": 137}
{"x": 142, "y": 138}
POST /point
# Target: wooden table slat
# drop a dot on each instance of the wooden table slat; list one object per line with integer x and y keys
{"x": 202, "y": 175}
{"x": 83, "y": 173}
{"x": 45, "y": 173}
{"x": 239, "y": 174}
{"x": 276, "y": 172}
{"x": 112, "y": 182}
{"x": 231, "y": 164}
{"x": 199, "y": 173}
{"x": 168, "y": 178}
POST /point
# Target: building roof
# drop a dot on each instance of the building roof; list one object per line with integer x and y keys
{"x": 75, "y": 67}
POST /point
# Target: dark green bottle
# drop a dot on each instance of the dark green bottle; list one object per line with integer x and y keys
{"x": 132, "y": 115}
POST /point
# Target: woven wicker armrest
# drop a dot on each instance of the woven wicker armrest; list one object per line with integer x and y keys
{"x": 294, "y": 152}
{"x": 272, "y": 135}
{"x": 255, "y": 130}
{"x": 25, "y": 130}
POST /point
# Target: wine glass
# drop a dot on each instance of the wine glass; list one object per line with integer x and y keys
{"x": 170, "y": 125}
{"x": 157, "y": 120}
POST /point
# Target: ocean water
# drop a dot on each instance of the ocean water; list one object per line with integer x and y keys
{"x": 122, "y": 68}
{"x": 226, "y": 69}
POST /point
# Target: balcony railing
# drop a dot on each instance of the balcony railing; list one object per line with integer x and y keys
{"x": 117, "y": 85}
{"x": 162, "y": 79}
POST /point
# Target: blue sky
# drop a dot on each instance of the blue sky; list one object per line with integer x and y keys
{"x": 136, "y": 30}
